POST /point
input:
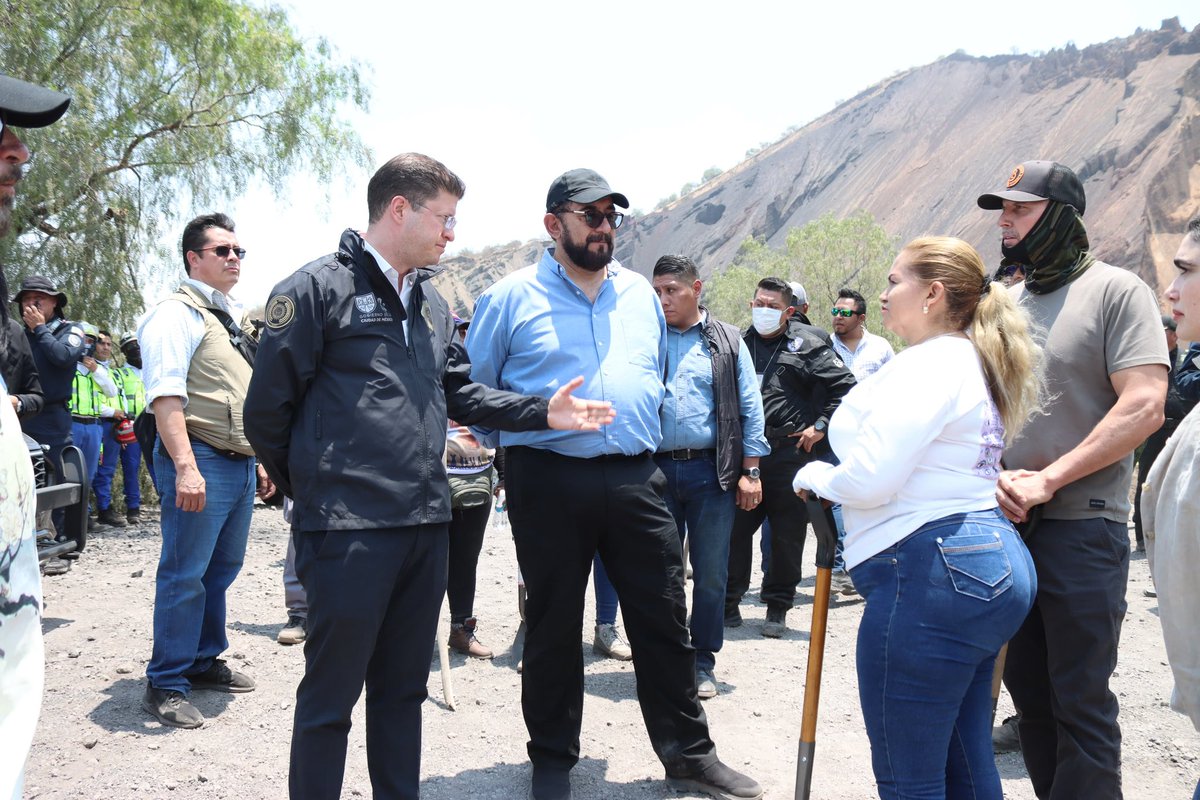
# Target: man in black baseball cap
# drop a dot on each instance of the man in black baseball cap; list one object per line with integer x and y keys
{"x": 1067, "y": 476}
{"x": 581, "y": 186}
{"x": 22, "y": 105}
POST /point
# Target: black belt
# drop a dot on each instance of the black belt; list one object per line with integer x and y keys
{"x": 85, "y": 420}
{"x": 688, "y": 455}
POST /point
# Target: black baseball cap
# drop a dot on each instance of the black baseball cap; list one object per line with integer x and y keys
{"x": 1038, "y": 180}
{"x": 40, "y": 283}
{"x": 26, "y": 105}
{"x": 582, "y": 186}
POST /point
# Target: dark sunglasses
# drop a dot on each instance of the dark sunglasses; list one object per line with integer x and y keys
{"x": 1010, "y": 270}
{"x": 223, "y": 250}
{"x": 842, "y": 312}
{"x": 592, "y": 218}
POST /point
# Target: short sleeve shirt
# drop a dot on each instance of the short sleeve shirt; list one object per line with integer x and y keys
{"x": 1105, "y": 321}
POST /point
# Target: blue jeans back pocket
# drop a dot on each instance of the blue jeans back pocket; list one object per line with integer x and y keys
{"x": 977, "y": 564}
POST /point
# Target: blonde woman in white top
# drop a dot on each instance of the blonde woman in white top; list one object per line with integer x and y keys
{"x": 946, "y": 578}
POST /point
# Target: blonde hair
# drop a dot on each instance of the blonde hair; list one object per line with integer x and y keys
{"x": 998, "y": 327}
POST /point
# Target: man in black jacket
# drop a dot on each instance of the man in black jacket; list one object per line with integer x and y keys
{"x": 358, "y": 369}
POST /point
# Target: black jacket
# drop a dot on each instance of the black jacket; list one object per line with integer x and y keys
{"x": 346, "y": 415}
{"x": 803, "y": 381}
{"x": 721, "y": 339}
{"x": 17, "y": 367}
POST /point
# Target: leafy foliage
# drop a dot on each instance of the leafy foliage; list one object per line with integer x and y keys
{"x": 175, "y": 104}
{"x": 825, "y": 255}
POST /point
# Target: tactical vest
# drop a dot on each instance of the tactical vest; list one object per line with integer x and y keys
{"x": 86, "y": 397}
{"x": 218, "y": 377}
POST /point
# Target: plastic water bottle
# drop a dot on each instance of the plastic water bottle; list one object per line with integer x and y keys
{"x": 501, "y": 509}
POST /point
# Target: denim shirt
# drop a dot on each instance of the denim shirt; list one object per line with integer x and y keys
{"x": 535, "y": 330}
{"x": 689, "y": 412}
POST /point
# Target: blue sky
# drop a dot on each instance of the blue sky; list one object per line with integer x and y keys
{"x": 651, "y": 95}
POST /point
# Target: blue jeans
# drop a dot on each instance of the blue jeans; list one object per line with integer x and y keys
{"x": 939, "y": 605}
{"x": 202, "y": 552}
{"x": 606, "y": 594}
{"x": 130, "y": 457}
{"x": 704, "y": 513}
{"x": 88, "y": 438}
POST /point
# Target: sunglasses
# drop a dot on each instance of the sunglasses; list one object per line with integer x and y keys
{"x": 592, "y": 218}
{"x": 842, "y": 312}
{"x": 223, "y": 250}
{"x": 1010, "y": 270}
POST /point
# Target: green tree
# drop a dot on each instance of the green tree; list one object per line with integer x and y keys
{"x": 710, "y": 173}
{"x": 824, "y": 255}
{"x": 175, "y": 104}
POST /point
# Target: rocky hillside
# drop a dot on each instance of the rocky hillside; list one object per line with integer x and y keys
{"x": 917, "y": 149}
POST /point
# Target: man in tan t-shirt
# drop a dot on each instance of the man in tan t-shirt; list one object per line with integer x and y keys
{"x": 1067, "y": 482}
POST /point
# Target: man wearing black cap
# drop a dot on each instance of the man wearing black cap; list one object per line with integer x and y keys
{"x": 25, "y": 105}
{"x": 571, "y": 494}
{"x": 1067, "y": 477}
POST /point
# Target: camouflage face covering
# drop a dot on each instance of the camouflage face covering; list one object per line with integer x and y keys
{"x": 1055, "y": 252}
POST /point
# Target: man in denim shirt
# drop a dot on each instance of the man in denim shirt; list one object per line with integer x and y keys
{"x": 712, "y": 422}
{"x": 572, "y": 494}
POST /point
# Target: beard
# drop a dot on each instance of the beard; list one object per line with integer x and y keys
{"x": 9, "y": 173}
{"x": 584, "y": 257}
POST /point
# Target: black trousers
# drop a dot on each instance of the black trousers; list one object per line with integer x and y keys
{"x": 467, "y": 527}
{"x": 563, "y": 510}
{"x": 373, "y": 600}
{"x": 789, "y": 527}
{"x": 1060, "y": 661}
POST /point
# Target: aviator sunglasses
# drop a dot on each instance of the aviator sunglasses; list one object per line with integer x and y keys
{"x": 842, "y": 312}
{"x": 223, "y": 250}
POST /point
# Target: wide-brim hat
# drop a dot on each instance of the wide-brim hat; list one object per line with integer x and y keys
{"x": 40, "y": 283}
{"x": 27, "y": 105}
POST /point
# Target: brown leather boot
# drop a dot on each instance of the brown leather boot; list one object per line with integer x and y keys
{"x": 462, "y": 640}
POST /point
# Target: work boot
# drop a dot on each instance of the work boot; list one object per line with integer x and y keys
{"x": 841, "y": 583}
{"x": 220, "y": 678}
{"x": 172, "y": 708}
{"x": 56, "y": 566}
{"x": 717, "y": 780}
{"x": 462, "y": 640}
{"x": 1005, "y": 738}
{"x": 776, "y": 624}
{"x": 550, "y": 784}
{"x": 733, "y": 617}
{"x": 109, "y": 516}
{"x": 608, "y": 642}
{"x": 295, "y": 632}
{"x": 133, "y": 516}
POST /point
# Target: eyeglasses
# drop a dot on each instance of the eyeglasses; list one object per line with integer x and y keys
{"x": 223, "y": 250}
{"x": 448, "y": 221}
{"x": 1010, "y": 270}
{"x": 592, "y": 218}
{"x": 842, "y": 312}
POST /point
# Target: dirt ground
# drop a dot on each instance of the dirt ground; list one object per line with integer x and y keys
{"x": 94, "y": 740}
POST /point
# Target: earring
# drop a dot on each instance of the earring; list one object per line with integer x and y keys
{"x": 924, "y": 309}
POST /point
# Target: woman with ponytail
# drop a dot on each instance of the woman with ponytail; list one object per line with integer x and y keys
{"x": 946, "y": 578}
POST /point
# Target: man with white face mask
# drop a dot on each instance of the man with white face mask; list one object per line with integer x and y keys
{"x": 802, "y": 381}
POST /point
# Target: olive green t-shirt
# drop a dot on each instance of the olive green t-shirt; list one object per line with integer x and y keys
{"x": 1104, "y": 321}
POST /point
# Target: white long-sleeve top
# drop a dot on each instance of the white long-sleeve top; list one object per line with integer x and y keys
{"x": 920, "y": 441}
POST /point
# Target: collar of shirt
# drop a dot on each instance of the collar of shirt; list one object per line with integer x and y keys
{"x": 216, "y": 297}
{"x": 391, "y": 273}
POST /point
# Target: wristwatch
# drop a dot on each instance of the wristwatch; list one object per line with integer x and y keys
{"x": 819, "y": 426}
{"x": 753, "y": 473}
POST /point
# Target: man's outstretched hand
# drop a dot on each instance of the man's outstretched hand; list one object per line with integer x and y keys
{"x": 569, "y": 413}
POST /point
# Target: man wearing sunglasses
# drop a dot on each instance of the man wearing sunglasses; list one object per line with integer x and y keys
{"x": 571, "y": 494}
{"x": 196, "y": 376}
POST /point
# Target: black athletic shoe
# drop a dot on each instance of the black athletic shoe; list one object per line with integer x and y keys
{"x": 220, "y": 678}
{"x": 717, "y": 780}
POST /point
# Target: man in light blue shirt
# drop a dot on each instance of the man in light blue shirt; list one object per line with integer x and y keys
{"x": 712, "y": 421}
{"x": 571, "y": 495}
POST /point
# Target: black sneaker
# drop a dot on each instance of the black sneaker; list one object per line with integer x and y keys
{"x": 733, "y": 617}
{"x": 776, "y": 624}
{"x": 550, "y": 784}
{"x": 133, "y": 516}
{"x": 717, "y": 780}
{"x": 1005, "y": 738}
{"x": 171, "y": 708}
{"x": 295, "y": 632}
{"x": 220, "y": 678}
{"x": 109, "y": 516}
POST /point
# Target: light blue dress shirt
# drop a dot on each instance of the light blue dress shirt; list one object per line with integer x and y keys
{"x": 535, "y": 330}
{"x": 689, "y": 410}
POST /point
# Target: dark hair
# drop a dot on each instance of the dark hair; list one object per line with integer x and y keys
{"x": 675, "y": 265}
{"x": 415, "y": 177}
{"x": 860, "y": 305}
{"x": 195, "y": 233}
{"x": 1193, "y": 227}
{"x": 781, "y": 286}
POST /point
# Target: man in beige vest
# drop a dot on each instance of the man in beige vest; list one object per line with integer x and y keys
{"x": 196, "y": 374}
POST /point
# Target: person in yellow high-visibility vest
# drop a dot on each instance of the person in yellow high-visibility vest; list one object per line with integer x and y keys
{"x": 126, "y": 405}
{"x": 89, "y": 386}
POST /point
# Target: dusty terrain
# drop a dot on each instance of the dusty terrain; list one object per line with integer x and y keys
{"x": 94, "y": 741}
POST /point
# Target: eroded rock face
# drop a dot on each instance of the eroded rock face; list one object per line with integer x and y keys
{"x": 918, "y": 148}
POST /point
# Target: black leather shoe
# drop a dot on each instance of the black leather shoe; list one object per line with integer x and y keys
{"x": 550, "y": 784}
{"x": 220, "y": 678}
{"x": 717, "y": 780}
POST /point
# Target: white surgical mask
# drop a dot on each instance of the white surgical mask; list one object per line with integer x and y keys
{"x": 766, "y": 320}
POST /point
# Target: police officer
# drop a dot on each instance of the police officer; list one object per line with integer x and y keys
{"x": 90, "y": 386}
{"x": 57, "y": 346}
{"x": 128, "y": 403}
{"x": 802, "y": 381}
{"x": 132, "y": 351}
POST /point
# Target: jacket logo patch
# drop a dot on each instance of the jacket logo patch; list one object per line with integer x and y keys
{"x": 1015, "y": 177}
{"x": 794, "y": 345}
{"x": 280, "y": 312}
{"x": 365, "y": 303}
